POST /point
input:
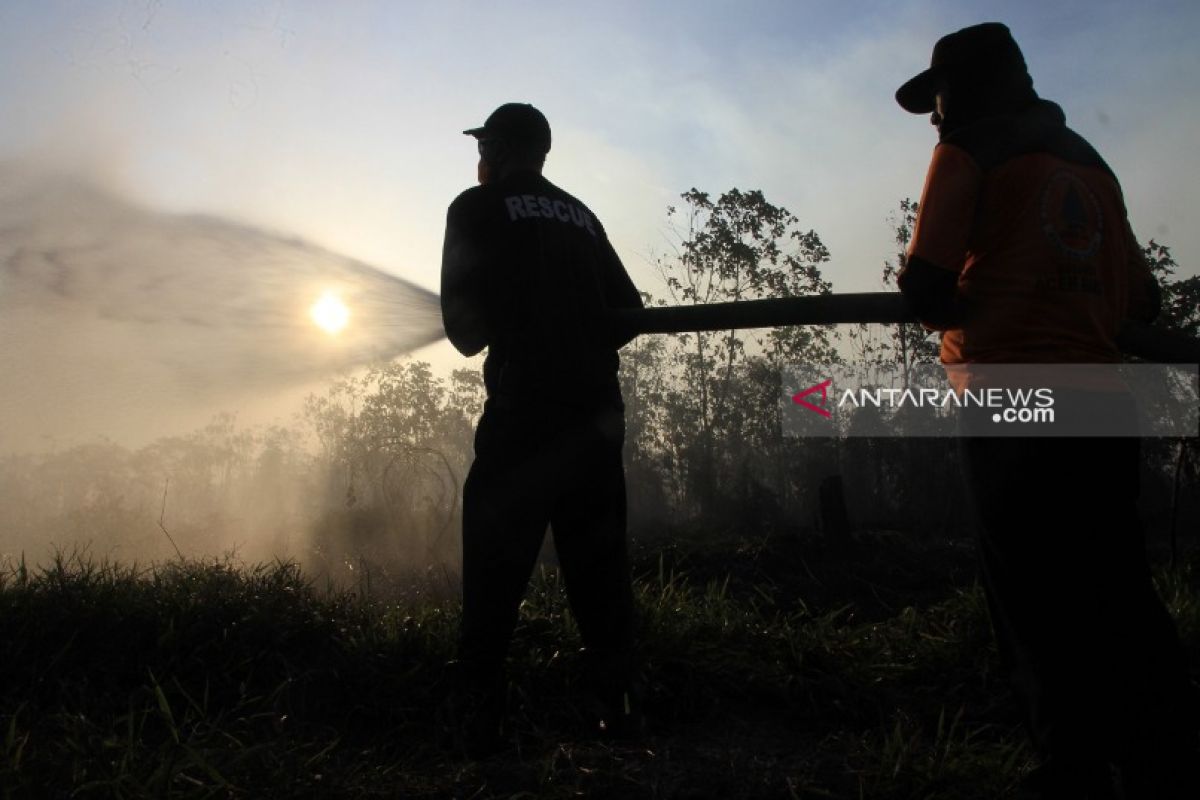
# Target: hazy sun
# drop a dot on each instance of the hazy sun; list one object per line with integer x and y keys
{"x": 330, "y": 313}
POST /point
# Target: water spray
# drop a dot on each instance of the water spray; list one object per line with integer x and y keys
{"x": 119, "y": 319}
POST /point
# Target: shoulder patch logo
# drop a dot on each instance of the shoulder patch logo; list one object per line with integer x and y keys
{"x": 1071, "y": 216}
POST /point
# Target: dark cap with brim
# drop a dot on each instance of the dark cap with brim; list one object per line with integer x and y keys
{"x": 515, "y": 122}
{"x": 979, "y": 55}
{"x": 918, "y": 93}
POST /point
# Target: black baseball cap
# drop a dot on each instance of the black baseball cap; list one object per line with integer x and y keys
{"x": 515, "y": 122}
{"x": 980, "y": 55}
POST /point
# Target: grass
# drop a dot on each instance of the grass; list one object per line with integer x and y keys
{"x": 766, "y": 679}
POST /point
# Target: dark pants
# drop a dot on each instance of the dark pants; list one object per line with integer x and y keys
{"x": 1091, "y": 649}
{"x": 539, "y": 466}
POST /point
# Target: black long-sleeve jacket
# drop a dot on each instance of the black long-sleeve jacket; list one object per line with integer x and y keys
{"x": 528, "y": 272}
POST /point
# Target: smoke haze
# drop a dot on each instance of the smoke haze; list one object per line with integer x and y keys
{"x": 121, "y": 321}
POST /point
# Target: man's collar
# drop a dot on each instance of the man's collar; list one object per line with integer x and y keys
{"x": 1033, "y": 121}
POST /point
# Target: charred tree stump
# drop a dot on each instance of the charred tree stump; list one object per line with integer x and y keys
{"x": 835, "y": 521}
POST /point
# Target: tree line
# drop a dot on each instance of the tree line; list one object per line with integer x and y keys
{"x": 370, "y": 474}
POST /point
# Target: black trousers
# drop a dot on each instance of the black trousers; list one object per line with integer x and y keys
{"x": 539, "y": 465}
{"x": 1091, "y": 649}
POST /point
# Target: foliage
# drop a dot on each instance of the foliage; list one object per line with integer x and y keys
{"x": 1180, "y": 296}
{"x": 396, "y": 443}
{"x": 215, "y": 489}
{"x": 202, "y": 678}
{"x": 372, "y": 474}
{"x": 910, "y": 342}
{"x": 717, "y": 434}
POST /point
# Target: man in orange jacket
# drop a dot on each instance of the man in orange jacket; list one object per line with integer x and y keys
{"x": 1022, "y": 253}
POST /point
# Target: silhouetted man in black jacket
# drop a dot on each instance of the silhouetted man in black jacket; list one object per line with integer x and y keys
{"x": 528, "y": 272}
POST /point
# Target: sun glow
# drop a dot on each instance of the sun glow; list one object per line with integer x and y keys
{"x": 330, "y": 313}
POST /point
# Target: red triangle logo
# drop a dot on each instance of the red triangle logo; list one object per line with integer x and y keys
{"x": 798, "y": 398}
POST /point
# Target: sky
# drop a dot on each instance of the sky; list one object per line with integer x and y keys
{"x": 341, "y": 122}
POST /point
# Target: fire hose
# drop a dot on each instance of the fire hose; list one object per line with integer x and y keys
{"x": 1137, "y": 339}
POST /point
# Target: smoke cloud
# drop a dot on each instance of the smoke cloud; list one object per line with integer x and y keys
{"x": 113, "y": 316}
